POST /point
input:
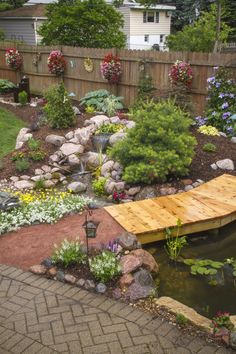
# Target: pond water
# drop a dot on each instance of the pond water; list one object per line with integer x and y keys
{"x": 193, "y": 290}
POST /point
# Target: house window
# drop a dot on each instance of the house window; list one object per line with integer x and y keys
{"x": 150, "y": 16}
{"x": 146, "y": 38}
{"x": 161, "y": 38}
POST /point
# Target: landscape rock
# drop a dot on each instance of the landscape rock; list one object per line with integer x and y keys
{"x": 232, "y": 340}
{"x": 48, "y": 175}
{"x": 186, "y": 181}
{"x": 214, "y": 166}
{"x": 37, "y": 178}
{"x": 49, "y": 184}
{"x": 109, "y": 186}
{"x": 126, "y": 280}
{"x": 83, "y": 135}
{"x": 24, "y": 185}
{"x": 20, "y": 137}
{"x": 99, "y": 120}
{"x": 60, "y": 276}
{"x": 233, "y": 139}
{"x": 129, "y": 263}
{"x": 146, "y": 193}
{"x": 116, "y": 293}
{"x": 127, "y": 241}
{"x": 117, "y": 167}
{"x": 101, "y": 288}
{"x": 52, "y": 272}
{"x": 134, "y": 190}
{"x": 89, "y": 284}
{"x": 120, "y": 186}
{"x": 147, "y": 260}
{"x": 69, "y": 135}
{"x": 25, "y": 177}
{"x": 54, "y": 158}
{"x": 136, "y": 291}
{"x": 70, "y": 148}
{"x": 38, "y": 269}
{"x": 56, "y": 140}
{"x": 188, "y": 188}
{"x": 47, "y": 262}
{"x": 76, "y": 111}
{"x": 38, "y": 171}
{"x": 77, "y": 187}
{"x": 225, "y": 164}
{"x": 144, "y": 278}
{"x": 167, "y": 190}
{"x": 14, "y": 178}
{"x": 70, "y": 279}
{"x": 130, "y": 124}
{"x": 92, "y": 159}
{"x": 115, "y": 120}
{"x": 117, "y": 137}
{"x": 46, "y": 168}
{"x": 80, "y": 282}
{"x": 73, "y": 160}
{"x": 106, "y": 168}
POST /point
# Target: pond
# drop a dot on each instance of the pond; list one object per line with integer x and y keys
{"x": 194, "y": 290}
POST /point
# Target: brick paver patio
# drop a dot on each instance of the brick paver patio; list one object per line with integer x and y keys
{"x": 44, "y": 316}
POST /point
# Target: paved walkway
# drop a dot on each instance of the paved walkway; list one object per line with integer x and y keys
{"x": 43, "y": 316}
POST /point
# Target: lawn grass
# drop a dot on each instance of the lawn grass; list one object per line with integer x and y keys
{"x": 9, "y": 128}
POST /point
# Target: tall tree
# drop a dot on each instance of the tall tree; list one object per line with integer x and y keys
{"x": 10, "y": 4}
{"x": 85, "y": 23}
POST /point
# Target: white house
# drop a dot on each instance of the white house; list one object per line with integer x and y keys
{"x": 146, "y": 27}
{"x": 23, "y": 23}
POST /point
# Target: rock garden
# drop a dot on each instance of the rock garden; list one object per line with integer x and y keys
{"x": 70, "y": 156}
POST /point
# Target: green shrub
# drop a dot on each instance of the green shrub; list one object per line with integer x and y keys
{"x": 181, "y": 319}
{"x": 104, "y": 266}
{"x": 158, "y": 146}
{"x": 209, "y": 147}
{"x": 68, "y": 252}
{"x": 90, "y": 109}
{"x": 59, "y": 111}
{"x": 22, "y": 165}
{"x": 109, "y": 128}
{"x": 37, "y": 155}
{"x": 23, "y": 98}
{"x": 40, "y": 184}
{"x": 102, "y": 100}
{"x": 6, "y": 86}
{"x": 33, "y": 144}
{"x": 98, "y": 186}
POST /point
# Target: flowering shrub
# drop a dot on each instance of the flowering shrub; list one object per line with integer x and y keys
{"x": 221, "y": 104}
{"x": 208, "y": 130}
{"x": 14, "y": 59}
{"x": 105, "y": 266}
{"x": 221, "y": 320}
{"x": 111, "y": 68}
{"x": 56, "y": 62}
{"x": 181, "y": 72}
{"x": 68, "y": 252}
{"x": 44, "y": 207}
{"x": 118, "y": 197}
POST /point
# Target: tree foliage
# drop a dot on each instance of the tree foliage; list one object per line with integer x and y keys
{"x": 10, "y": 4}
{"x": 88, "y": 23}
{"x": 158, "y": 146}
{"x": 200, "y": 36}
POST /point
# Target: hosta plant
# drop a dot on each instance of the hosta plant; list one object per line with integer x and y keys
{"x": 105, "y": 266}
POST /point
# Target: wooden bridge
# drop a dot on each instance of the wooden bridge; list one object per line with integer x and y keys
{"x": 209, "y": 206}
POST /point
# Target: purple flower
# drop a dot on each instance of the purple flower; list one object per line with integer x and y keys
{"x": 200, "y": 120}
{"x": 211, "y": 79}
{"x": 216, "y": 67}
{"x": 225, "y": 105}
{"x": 213, "y": 113}
{"x": 221, "y": 95}
{"x": 230, "y": 129}
{"x": 226, "y": 115}
{"x": 231, "y": 95}
{"x": 217, "y": 84}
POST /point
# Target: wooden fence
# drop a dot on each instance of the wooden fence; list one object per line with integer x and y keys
{"x": 79, "y": 81}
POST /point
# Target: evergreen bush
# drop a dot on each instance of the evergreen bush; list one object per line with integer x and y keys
{"x": 158, "y": 146}
{"x": 59, "y": 111}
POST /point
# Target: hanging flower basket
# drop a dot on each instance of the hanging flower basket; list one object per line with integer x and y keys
{"x": 56, "y": 63}
{"x": 181, "y": 73}
{"x": 111, "y": 68}
{"x": 14, "y": 59}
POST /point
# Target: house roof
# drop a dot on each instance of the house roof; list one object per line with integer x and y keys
{"x": 34, "y": 2}
{"x": 133, "y": 5}
{"x": 25, "y": 12}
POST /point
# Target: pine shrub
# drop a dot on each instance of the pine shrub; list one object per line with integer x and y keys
{"x": 59, "y": 110}
{"x": 158, "y": 146}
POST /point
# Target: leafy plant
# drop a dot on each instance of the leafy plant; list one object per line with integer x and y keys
{"x": 40, "y": 184}
{"x": 159, "y": 145}
{"x": 105, "y": 266}
{"x": 68, "y": 252}
{"x": 203, "y": 266}
{"x": 22, "y": 164}
{"x": 181, "y": 319}
{"x": 23, "y": 98}
{"x": 98, "y": 186}
{"x": 90, "y": 109}
{"x": 18, "y": 155}
{"x": 174, "y": 244}
{"x": 232, "y": 262}
{"x": 109, "y": 128}
{"x": 59, "y": 111}
{"x": 222, "y": 320}
{"x": 208, "y": 130}
{"x": 6, "y": 86}
{"x": 209, "y": 147}
{"x": 102, "y": 101}
{"x": 37, "y": 155}
{"x": 145, "y": 88}
{"x": 33, "y": 144}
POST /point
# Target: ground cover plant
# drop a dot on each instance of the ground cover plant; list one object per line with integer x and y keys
{"x": 6, "y": 86}
{"x": 41, "y": 207}
{"x": 9, "y": 128}
{"x": 159, "y": 145}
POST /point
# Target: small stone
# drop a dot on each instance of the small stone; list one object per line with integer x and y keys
{"x": 167, "y": 190}
{"x": 70, "y": 279}
{"x": 56, "y": 140}
{"x": 196, "y": 184}
{"x": 60, "y": 276}
{"x": 127, "y": 241}
{"x": 130, "y": 124}
{"x": 233, "y": 139}
{"x": 232, "y": 340}
{"x": 37, "y": 178}
{"x": 70, "y": 148}
{"x": 223, "y": 134}
{"x": 89, "y": 285}
{"x": 47, "y": 262}
{"x": 38, "y": 269}
{"x": 186, "y": 181}
{"x": 73, "y": 160}
{"x": 80, "y": 282}
{"x": 38, "y": 171}
{"x": 77, "y": 187}
{"x": 46, "y": 168}
{"x": 134, "y": 190}
{"x": 76, "y": 110}
{"x": 69, "y": 135}
{"x": 147, "y": 260}
{"x": 129, "y": 264}
{"x": 225, "y": 164}
{"x": 49, "y": 183}
{"x": 14, "y": 178}
{"x": 25, "y": 177}
{"x": 214, "y": 166}
{"x": 200, "y": 181}
{"x": 52, "y": 272}
{"x": 126, "y": 280}
{"x": 24, "y": 185}
{"x": 48, "y": 175}
{"x": 188, "y": 188}
{"x": 101, "y": 288}
{"x": 116, "y": 293}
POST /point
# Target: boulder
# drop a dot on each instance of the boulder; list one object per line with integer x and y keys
{"x": 144, "y": 278}
{"x": 117, "y": 137}
{"x": 109, "y": 186}
{"x": 24, "y": 185}
{"x": 134, "y": 190}
{"x": 37, "y": 178}
{"x": 225, "y": 164}
{"x": 101, "y": 288}
{"x": 76, "y": 111}
{"x": 70, "y": 279}
{"x": 83, "y": 135}
{"x": 99, "y": 120}
{"x": 126, "y": 280}
{"x": 127, "y": 240}
{"x": 26, "y": 137}
{"x": 25, "y": 177}
{"x": 115, "y": 120}
{"x": 147, "y": 260}
{"x": 38, "y": 171}
{"x": 136, "y": 291}
{"x": 70, "y": 148}
{"x": 146, "y": 193}
{"x": 233, "y": 139}
{"x": 20, "y": 136}
{"x": 39, "y": 269}
{"x": 232, "y": 340}
{"x": 92, "y": 159}
{"x": 77, "y": 187}
{"x": 120, "y": 186}
{"x": 167, "y": 190}
{"x": 69, "y": 135}
{"x": 73, "y": 160}
{"x": 130, "y": 124}
{"x": 214, "y": 166}
{"x": 89, "y": 284}
{"x": 14, "y": 178}
{"x": 129, "y": 263}
{"x": 106, "y": 168}
{"x": 49, "y": 184}
{"x": 117, "y": 167}
{"x": 188, "y": 188}
{"x": 56, "y": 140}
